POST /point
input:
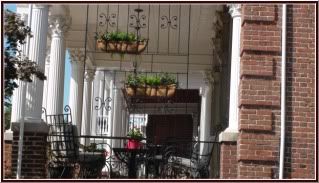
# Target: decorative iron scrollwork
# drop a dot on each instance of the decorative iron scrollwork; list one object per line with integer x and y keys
{"x": 103, "y": 103}
{"x": 169, "y": 22}
{"x": 67, "y": 109}
{"x": 140, "y": 21}
{"x": 107, "y": 20}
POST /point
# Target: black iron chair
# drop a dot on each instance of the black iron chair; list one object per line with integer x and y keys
{"x": 64, "y": 147}
{"x": 188, "y": 162}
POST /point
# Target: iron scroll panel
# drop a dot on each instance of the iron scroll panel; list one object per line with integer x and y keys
{"x": 103, "y": 103}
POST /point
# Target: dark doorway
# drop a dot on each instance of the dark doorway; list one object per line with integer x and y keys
{"x": 161, "y": 128}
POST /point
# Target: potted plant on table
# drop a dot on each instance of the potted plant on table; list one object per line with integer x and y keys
{"x": 92, "y": 161}
{"x": 135, "y": 136}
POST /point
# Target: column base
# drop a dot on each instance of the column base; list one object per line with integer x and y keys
{"x": 228, "y": 154}
{"x": 228, "y": 136}
{"x": 8, "y": 135}
{"x": 34, "y": 155}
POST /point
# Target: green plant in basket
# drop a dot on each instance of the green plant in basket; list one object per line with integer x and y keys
{"x": 167, "y": 79}
{"x": 132, "y": 81}
{"x": 153, "y": 81}
{"x": 135, "y": 134}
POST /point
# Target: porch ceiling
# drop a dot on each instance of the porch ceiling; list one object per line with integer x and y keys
{"x": 189, "y": 43}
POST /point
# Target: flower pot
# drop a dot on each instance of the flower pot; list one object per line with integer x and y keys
{"x": 141, "y": 46}
{"x": 171, "y": 90}
{"x": 148, "y": 90}
{"x": 161, "y": 91}
{"x": 140, "y": 91}
{"x": 123, "y": 47}
{"x": 132, "y": 47}
{"x": 130, "y": 91}
{"x": 153, "y": 91}
{"x": 133, "y": 144}
{"x": 111, "y": 46}
{"x": 100, "y": 44}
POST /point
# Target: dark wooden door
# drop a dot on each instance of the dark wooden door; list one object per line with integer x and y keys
{"x": 161, "y": 128}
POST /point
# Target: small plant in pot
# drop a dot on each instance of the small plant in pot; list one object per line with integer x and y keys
{"x": 121, "y": 42}
{"x": 140, "y": 87}
{"x": 135, "y": 136}
{"x": 131, "y": 84}
{"x": 167, "y": 85}
{"x": 152, "y": 82}
{"x": 93, "y": 161}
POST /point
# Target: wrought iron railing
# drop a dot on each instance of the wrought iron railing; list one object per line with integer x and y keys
{"x": 102, "y": 127}
{"x": 110, "y": 157}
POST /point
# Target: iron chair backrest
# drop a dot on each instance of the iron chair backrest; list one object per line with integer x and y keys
{"x": 64, "y": 146}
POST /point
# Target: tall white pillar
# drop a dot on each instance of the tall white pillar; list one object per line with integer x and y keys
{"x": 206, "y": 110}
{"x": 38, "y": 42}
{"x": 117, "y": 115}
{"x": 110, "y": 112}
{"x": 85, "y": 128}
{"x": 45, "y": 87}
{"x": 230, "y": 134}
{"x": 59, "y": 25}
{"x": 95, "y": 94}
{"x": 18, "y": 97}
{"x": 76, "y": 84}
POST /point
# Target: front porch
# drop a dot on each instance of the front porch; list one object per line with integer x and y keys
{"x": 180, "y": 132}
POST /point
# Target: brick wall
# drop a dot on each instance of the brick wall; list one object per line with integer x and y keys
{"x": 300, "y": 141}
{"x": 259, "y": 126}
{"x": 259, "y": 97}
{"x": 34, "y": 155}
{"x": 7, "y": 158}
{"x": 228, "y": 160}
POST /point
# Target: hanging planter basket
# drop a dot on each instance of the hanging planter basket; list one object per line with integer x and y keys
{"x": 136, "y": 47}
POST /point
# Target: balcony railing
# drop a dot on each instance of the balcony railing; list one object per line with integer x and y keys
{"x": 102, "y": 125}
{"x": 111, "y": 158}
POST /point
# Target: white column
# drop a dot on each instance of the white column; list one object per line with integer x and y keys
{"x": 76, "y": 84}
{"x": 110, "y": 112}
{"x": 230, "y": 134}
{"x": 45, "y": 87}
{"x": 206, "y": 110}
{"x": 117, "y": 115}
{"x": 85, "y": 128}
{"x": 18, "y": 97}
{"x": 95, "y": 103}
{"x": 38, "y": 43}
{"x": 59, "y": 26}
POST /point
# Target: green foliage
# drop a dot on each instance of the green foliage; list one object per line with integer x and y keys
{"x": 142, "y": 80}
{"x": 7, "y": 117}
{"x": 91, "y": 148}
{"x": 17, "y": 65}
{"x": 117, "y": 36}
{"x": 167, "y": 79}
{"x": 153, "y": 81}
{"x": 135, "y": 134}
{"x": 131, "y": 80}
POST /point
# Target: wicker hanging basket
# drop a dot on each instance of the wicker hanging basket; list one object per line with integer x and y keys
{"x": 122, "y": 46}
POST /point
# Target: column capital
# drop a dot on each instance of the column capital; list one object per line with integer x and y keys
{"x": 59, "y": 25}
{"x": 89, "y": 75}
{"x": 208, "y": 77}
{"x": 77, "y": 54}
{"x": 234, "y": 10}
